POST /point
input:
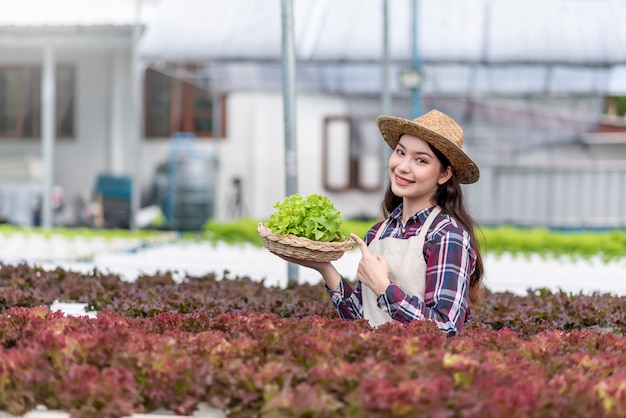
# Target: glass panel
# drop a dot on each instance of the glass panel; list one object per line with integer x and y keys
{"x": 20, "y": 101}
{"x": 9, "y": 86}
{"x": 31, "y": 103}
{"x": 203, "y": 102}
{"x": 366, "y": 150}
{"x": 203, "y": 112}
{"x": 158, "y": 103}
{"x": 175, "y": 104}
{"x": 203, "y": 125}
{"x": 337, "y": 154}
{"x": 65, "y": 101}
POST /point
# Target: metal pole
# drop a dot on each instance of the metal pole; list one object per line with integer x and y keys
{"x": 386, "y": 96}
{"x": 385, "y": 99}
{"x": 116, "y": 140}
{"x": 416, "y": 95}
{"x": 135, "y": 198}
{"x": 48, "y": 133}
{"x": 289, "y": 109}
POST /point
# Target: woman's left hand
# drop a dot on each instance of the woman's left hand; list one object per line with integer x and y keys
{"x": 373, "y": 270}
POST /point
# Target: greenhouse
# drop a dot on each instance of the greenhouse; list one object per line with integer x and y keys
{"x": 162, "y": 306}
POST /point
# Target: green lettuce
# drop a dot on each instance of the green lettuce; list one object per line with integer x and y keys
{"x": 314, "y": 218}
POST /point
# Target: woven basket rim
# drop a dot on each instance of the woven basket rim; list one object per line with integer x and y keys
{"x": 301, "y": 242}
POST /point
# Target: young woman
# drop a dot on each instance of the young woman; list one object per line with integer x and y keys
{"x": 423, "y": 260}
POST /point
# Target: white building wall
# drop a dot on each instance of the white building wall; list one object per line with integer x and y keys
{"x": 254, "y": 145}
{"x": 78, "y": 160}
{"x": 254, "y": 149}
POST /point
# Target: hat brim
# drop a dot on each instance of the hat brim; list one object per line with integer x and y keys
{"x": 392, "y": 128}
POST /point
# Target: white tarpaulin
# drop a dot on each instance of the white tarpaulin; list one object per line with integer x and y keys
{"x": 586, "y": 32}
{"x": 464, "y": 46}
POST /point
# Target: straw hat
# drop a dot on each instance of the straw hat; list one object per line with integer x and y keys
{"x": 440, "y": 131}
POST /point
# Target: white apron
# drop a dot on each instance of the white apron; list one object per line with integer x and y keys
{"x": 409, "y": 273}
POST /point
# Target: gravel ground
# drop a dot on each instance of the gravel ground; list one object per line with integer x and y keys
{"x": 130, "y": 258}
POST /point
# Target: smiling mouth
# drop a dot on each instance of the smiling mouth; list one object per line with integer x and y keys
{"x": 401, "y": 181}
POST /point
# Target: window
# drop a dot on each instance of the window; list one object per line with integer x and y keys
{"x": 351, "y": 154}
{"x": 20, "y": 101}
{"x": 175, "y": 105}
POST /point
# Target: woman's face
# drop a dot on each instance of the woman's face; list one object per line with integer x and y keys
{"x": 415, "y": 173}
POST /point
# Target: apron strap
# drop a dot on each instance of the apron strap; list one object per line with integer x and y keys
{"x": 422, "y": 234}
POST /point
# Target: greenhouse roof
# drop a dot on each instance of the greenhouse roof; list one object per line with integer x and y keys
{"x": 577, "y": 32}
{"x": 463, "y": 46}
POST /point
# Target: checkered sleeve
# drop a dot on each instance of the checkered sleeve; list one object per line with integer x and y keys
{"x": 347, "y": 300}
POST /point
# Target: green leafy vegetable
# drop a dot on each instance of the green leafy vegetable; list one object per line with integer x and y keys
{"x": 314, "y": 218}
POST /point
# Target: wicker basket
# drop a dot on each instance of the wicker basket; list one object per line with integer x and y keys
{"x": 303, "y": 248}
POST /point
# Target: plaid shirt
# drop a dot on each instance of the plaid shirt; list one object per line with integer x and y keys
{"x": 450, "y": 259}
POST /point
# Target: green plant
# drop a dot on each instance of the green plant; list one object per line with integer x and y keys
{"x": 609, "y": 245}
{"x": 83, "y": 232}
{"x": 314, "y": 218}
{"x": 241, "y": 230}
{"x": 620, "y": 105}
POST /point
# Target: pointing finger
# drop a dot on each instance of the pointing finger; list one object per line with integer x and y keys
{"x": 362, "y": 245}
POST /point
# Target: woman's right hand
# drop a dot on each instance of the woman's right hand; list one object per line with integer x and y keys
{"x": 373, "y": 270}
{"x": 329, "y": 273}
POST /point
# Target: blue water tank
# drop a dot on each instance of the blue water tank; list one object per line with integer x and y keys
{"x": 188, "y": 182}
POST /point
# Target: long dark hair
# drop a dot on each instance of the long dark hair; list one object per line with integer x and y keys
{"x": 449, "y": 197}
